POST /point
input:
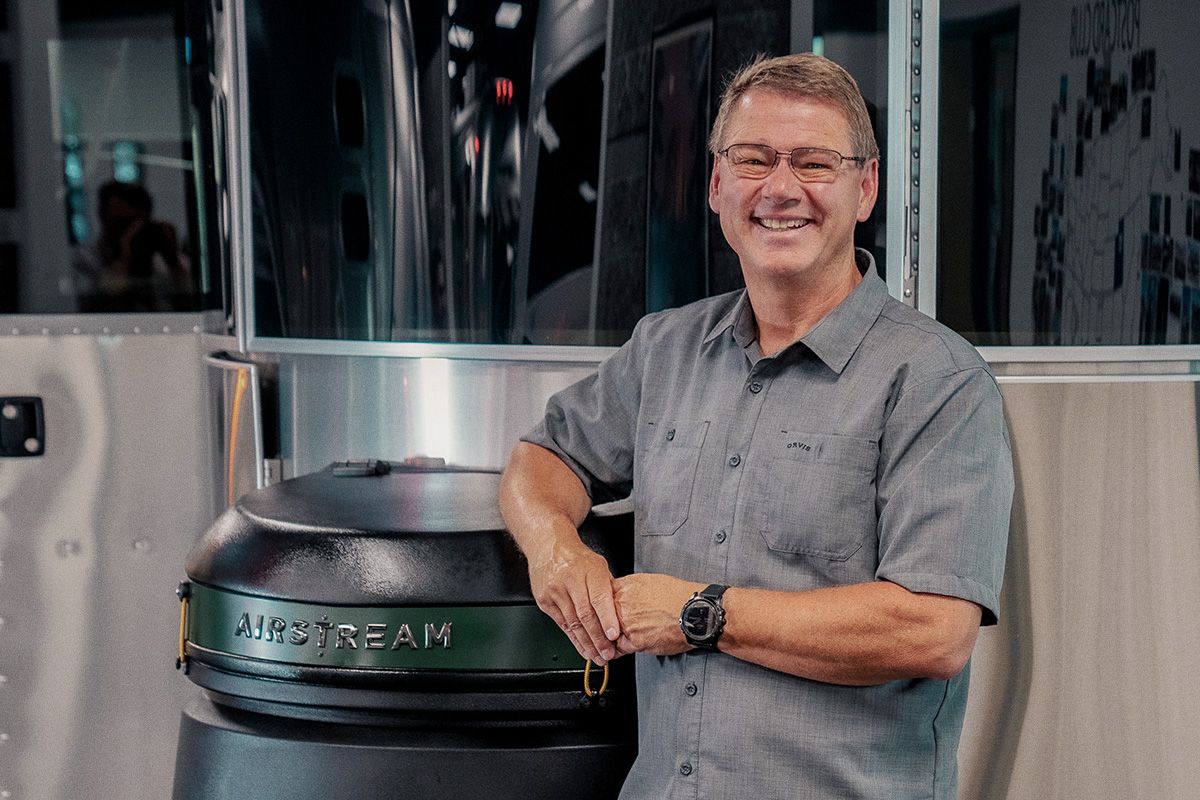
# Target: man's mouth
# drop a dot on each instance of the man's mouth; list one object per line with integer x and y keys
{"x": 781, "y": 224}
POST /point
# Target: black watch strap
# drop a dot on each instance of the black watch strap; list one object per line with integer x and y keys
{"x": 709, "y": 596}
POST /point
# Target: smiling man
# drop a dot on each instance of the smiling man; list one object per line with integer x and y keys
{"x": 820, "y": 479}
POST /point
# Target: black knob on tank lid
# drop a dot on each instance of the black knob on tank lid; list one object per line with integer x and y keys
{"x": 361, "y": 467}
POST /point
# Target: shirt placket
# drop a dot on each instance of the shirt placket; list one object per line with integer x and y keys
{"x": 737, "y": 459}
{"x": 732, "y": 463}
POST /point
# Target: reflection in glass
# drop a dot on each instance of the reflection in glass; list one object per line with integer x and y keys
{"x": 558, "y": 287}
{"x": 677, "y": 224}
{"x": 336, "y": 186}
{"x": 855, "y": 35}
{"x": 122, "y": 173}
{"x": 977, "y": 91}
{"x": 134, "y": 261}
{"x": 456, "y": 173}
{"x": 488, "y": 157}
{"x": 1070, "y": 174}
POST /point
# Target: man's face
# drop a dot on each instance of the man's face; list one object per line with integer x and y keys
{"x": 117, "y": 215}
{"x": 786, "y": 231}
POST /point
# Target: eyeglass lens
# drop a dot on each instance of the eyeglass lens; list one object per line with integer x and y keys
{"x": 813, "y": 164}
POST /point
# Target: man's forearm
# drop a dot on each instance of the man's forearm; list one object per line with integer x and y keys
{"x": 861, "y": 634}
{"x": 543, "y": 503}
{"x": 540, "y": 498}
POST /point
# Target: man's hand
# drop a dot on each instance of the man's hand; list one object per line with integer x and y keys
{"x": 543, "y": 504}
{"x": 648, "y": 606}
{"x": 574, "y": 585}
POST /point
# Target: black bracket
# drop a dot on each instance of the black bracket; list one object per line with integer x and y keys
{"x": 22, "y": 427}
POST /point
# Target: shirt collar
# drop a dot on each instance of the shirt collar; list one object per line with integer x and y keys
{"x": 741, "y": 318}
{"x": 837, "y": 335}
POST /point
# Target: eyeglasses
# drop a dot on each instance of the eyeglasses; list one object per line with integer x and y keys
{"x": 810, "y": 164}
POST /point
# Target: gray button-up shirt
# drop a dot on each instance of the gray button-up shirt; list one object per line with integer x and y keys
{"x": 874, "y": 448}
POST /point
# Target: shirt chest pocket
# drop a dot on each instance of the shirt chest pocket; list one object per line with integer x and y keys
{"x": 826, "y": 495}
{"x": 668, "y": 456}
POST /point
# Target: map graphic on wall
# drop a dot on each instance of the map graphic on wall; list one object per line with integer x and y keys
{"x": 1106, "y": 236}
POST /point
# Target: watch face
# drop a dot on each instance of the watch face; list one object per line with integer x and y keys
{"x": 698, "y": 619}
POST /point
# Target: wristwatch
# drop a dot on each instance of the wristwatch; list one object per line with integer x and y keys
{"x": 703, "y": 617}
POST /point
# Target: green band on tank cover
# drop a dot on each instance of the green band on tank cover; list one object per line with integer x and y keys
{"x": 510, "y": 637}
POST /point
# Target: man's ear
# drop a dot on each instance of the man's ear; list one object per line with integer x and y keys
{"x": 869, "y": 189}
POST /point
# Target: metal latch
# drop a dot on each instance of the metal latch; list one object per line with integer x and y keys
{"x": 183, "y": 592}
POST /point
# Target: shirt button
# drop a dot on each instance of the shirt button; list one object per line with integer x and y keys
{"x": 720, "y": 537}
{"x": 685, "y": 768}
{"x": 755, "y": 387}
{"x": 735, "y": 460}
{"x": 670, "y": 434}
{"x": 690, "y": 690}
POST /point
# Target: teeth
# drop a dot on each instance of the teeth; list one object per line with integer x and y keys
{"x": 782, "y": 224}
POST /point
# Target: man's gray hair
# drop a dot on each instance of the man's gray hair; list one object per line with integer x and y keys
{"x": 800, "y": 75}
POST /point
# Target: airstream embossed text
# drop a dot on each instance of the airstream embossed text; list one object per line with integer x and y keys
{"x": 341, "y": 635}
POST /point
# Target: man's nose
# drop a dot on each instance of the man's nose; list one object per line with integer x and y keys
{"x": 782, "y": 182}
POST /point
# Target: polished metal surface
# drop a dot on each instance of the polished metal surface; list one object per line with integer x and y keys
{"x": 236, "y": 386}
{"x": 469, "y": 412}
{"x": 1085, "y": 689}
{"x": 442, "y": 350}
{"x": 913, "y": 36}
{"x": 231, "y": 154}
{"x": 108, "y": 324}
{"x": 1087, "y": 686}
{"x": 1098, "y": 353}
{"x": 93, "y": 535}
{"x": 898, "y": 274}
{"x": 922, "y": 180}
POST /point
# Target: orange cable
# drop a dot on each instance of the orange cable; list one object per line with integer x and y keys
{"x": 233, "y": 428}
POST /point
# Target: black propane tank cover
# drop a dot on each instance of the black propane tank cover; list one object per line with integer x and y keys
{"x": 397, "y": 580}
{"x": 368, "y": 631}
{"x": 406, "y": 536}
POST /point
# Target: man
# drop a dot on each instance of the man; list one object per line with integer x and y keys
{"x": 835, "y": 458}
{"x": 135, "y": 264}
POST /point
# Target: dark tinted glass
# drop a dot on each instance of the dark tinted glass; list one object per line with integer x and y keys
{"x": 1069, "y": 174}
{"x": 98, "y": 170}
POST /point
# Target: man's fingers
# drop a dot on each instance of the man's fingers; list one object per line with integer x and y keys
{"x": 576, "y": 591}
{"x": 583, "y": 644}
{"x": 601, "y": 592}
{"x": 570, "y": 625}
{"x": 592, "y": 628}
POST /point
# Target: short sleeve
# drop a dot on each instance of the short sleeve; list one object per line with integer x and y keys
{"x": 591, "y": 425}
{"x": 945, "y": 486}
